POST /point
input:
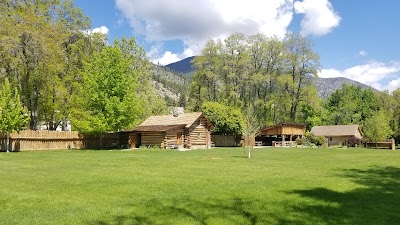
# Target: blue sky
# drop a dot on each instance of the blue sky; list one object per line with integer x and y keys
{"x": 356, "y": 39}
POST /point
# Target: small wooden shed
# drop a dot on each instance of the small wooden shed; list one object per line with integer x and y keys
{"x": 282, "y": 134}
{"x": 336, "y": 134}
{"x": 183, "y": 131}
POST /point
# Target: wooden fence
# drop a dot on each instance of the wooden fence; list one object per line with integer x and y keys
{"x": 52, "y": 140}
{"x": 388, "y": 143}
{"x": 225, "y": 140}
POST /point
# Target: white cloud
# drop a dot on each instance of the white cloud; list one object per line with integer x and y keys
{"x": 393, "y": 85}
{"x": 382, "y": 76}
{"x": 319, "y": 16}
{"x": 102, "y": 30}
{"x": 363, "y": 53}
{"x": 194, "y": 21}
{"x": 167, "y": 58}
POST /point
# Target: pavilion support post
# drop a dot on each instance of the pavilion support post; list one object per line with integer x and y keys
{"x": 290, "y": 139}
{"x": 283, "y": 140}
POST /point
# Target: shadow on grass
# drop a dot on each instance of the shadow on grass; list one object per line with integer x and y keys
{"x": 377, "y": 202}
{"x": 186, "y": 211}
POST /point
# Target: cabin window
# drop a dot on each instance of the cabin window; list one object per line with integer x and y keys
{"x": 330, "y": 139}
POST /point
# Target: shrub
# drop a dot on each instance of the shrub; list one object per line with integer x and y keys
{"x": 310, "y": 140}
{"x": 352, "y": 142}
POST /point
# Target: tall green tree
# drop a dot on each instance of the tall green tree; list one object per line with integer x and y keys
{"x": 377, "y": 127}
{"x": 141, "y": 67}
{"x": 107, "y": 100}
{"x": 351, "y": 105}
{"x": 13, "y": 115}
{"x": 267, "y": 73}
{"x": 32, "y": 52}
{"x": 388, "y": 104}
{"x": 301, "y": 61}
{"x": 226, "y": 119}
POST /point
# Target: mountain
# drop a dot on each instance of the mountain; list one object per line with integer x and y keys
{"x": 184, "y": 67}
{"x": 169, "y": 84}
{"x": 325, "y": 86}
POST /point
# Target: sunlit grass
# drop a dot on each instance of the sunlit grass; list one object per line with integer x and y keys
{"x": 219, "y": 186}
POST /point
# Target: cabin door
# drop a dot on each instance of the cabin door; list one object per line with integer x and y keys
{"x": 179, "y": 138}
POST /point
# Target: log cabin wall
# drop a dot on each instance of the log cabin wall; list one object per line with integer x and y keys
{"x": 175, "y": 137}
{"x": 199, "y": 134}
{"x": 153, "y": 139}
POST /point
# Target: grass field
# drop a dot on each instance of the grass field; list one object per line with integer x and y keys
{"x": 219, "y": 186}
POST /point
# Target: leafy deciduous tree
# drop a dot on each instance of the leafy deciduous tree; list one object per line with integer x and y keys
{"x": 107, "y": 100}
{"x": 13, "y": 115}
{"x": 377, "y": 127}
{"x": 226, "y": 119}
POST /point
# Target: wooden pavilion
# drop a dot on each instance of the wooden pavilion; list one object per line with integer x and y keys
{"x": 282, "y": 134}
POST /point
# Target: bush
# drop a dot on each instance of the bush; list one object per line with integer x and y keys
{"x": 310, "y": 140}
{"x": 352, "y": 142}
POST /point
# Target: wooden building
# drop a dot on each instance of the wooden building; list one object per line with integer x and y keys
{"x": 181, "y": 131}
{"x": 336, "y": 134}
{"x": 282, "y": 134}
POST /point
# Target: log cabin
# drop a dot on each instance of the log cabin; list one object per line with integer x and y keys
{"x": 336, "y": 134}
{"x": 175, "y": 131}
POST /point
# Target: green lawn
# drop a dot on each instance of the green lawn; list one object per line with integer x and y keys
{"x": 219, "y": 186}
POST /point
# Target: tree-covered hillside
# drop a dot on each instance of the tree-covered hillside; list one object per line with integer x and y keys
{"x": 173, "y": 87}
{"x": 184, "y": 67}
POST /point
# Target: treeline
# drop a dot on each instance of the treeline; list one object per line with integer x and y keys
{"x": 271, "y": 77}
{"x": 63, "y": 72}
{"x": 269, "y": 74}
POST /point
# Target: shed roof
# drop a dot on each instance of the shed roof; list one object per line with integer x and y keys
{"x": 284, "y": 128}
{"x": 336, "y": 130}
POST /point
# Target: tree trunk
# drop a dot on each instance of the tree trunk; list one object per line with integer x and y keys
{"x": 8, "y": 142}
{"x": 35, "y": 110}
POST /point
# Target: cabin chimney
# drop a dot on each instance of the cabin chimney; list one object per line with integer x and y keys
{"x": 177, "y": 111}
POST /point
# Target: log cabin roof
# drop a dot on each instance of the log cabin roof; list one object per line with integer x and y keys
{"x": 160, "y": 128}
{"x": 170, "y": 122}
{"x": 336, "y": 130}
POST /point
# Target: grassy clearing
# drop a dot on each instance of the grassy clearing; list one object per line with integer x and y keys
{"x": 219, "y": 186}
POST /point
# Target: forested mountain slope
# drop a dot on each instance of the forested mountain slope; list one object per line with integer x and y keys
{"x": 184, "y": 66}
{"x": 169, "y": 84}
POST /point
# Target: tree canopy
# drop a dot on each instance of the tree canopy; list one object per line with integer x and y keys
{"x": 226, "y": 119}
{"x": 268, "y": 73}
{"x": 13, "y": 115}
